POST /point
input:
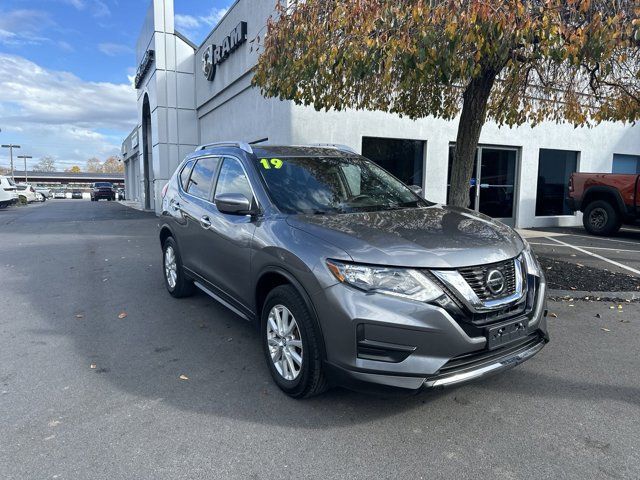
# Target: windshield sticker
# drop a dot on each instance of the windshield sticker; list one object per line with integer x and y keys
{"x": 268, "y": 163}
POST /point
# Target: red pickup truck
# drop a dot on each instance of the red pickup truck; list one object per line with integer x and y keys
{"x": 607, "y": 200}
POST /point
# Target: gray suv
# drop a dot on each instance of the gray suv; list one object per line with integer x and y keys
{"x": 352, "y": 278}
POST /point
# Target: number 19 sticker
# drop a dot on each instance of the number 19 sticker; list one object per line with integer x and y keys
{"x": 267, "y": 163}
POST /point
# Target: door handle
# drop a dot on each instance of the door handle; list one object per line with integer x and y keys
{"x": 205, "y": 222}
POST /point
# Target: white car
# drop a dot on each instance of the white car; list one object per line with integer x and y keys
{"x": 44, "y": 191}
{"x": 8, "y": 191}
{"x": 26, "y": 190}
{"x": 59, "y": 194}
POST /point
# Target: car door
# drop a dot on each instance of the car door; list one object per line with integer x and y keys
{"x": 228, "y": 239}
{"x": 195, "y": 201}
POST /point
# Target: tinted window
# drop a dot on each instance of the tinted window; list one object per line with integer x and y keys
{"x": 184, "y": 174}
{"x": 232, "y": 179}
{"x": 103, "y": 185}
{"x": 554, "y": 169}
{"x": 333, "y": 185}
{"x": 202, "y": 177}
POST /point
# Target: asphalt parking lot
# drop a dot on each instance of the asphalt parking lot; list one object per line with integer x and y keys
{"x": 619, "y": 253}
{"x": 69, "y": 270}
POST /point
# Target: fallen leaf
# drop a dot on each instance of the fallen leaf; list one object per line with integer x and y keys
{"x": 598, "y": 315}
{"x": 619, "y": 307}
{"x": 122, "y": 315}
{"x": 612, "y": 307}
{"x": 183, "y": 377}
{"x": 571, "y": 305}
{"x": 79, "y": 316}
{"x": 605, "y": 329}
{"x": 573, "y": 288}
{"x": 553, "y": 315}
{"x": 93, "y": 366}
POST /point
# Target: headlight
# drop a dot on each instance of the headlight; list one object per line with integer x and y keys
{"x": 398, "y": 282}
{"x": 530, "y": 260}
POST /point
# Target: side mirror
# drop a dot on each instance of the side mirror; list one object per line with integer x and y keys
{"x": 233, "y": 204}
{"x": 417, "y": 189}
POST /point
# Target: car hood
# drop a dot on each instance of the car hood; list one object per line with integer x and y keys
{"x": 431, "y": 237}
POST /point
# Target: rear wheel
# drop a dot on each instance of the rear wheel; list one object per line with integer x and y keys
{"x": 601, "y": 218}
{"x": 174, "y": 278}
{"x": 291, "y": 344}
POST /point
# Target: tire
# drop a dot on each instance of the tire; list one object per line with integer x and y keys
{"x": 309, "y": 380}
{"x": 601, "y": 218}
{"x": 180, "y": 287}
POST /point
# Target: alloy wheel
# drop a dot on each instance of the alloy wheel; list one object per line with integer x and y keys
{"x": 170, "y": 267}
{"x": 285, "y": 342}
{"x": 598, "y": 218}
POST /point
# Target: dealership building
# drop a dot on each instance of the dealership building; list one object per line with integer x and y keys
{"x": 190, "y": 95}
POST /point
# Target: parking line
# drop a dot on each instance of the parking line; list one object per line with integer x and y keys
{"x": 601, "y": 238}
{"x": 586, "y": 246}
{"x": 595, "y": 255}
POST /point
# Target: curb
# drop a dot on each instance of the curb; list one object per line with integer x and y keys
{"x": 603, "y": 296}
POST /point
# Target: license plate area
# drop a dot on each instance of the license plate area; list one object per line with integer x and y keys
{"x": 505, "y": 333}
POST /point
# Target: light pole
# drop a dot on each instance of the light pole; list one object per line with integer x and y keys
{"x": 25, "y": 157}
{"x": 11, "y": 147}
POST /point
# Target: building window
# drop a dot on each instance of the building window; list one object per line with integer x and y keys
{"x": 404, "y": 159}
{"x": 554, "y": 169}
{"x": 629, "y": 164}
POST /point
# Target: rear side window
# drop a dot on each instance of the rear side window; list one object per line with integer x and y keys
{"x": 232, "y": 179}
{"x": 184, "y": 174}
{"x": 202, "y": 177}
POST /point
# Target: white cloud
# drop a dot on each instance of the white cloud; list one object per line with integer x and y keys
{"x": 97, "y": 8}
{"x": 114, "y": 49}
{"x": 197, "y": 27}
{"x": 56, "y": 113}
{"x": 23, "y": 27}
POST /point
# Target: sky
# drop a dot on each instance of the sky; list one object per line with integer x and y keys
{"x": 66, "y": 69}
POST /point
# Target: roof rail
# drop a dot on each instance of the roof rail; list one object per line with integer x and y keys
{"x": 336, "y": 146}
{"x": 241, "y": 145}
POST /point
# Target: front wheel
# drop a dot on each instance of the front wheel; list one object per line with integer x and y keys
{"x": 601, "y": 218}
{"x": 174, "y": 279}
{"x": 291, "y": 344}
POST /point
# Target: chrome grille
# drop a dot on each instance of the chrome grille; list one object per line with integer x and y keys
{"x": 476, "y": 277}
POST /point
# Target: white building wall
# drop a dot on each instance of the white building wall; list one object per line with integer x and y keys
{"x": 170, "y": 87}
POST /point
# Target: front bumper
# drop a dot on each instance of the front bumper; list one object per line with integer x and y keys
{"x": 374, "y": 340}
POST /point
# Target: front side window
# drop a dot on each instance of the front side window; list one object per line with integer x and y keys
{"x": 202, "y": 177}
{"x": 325, "y": 185}
{"x": 232, "y": 179}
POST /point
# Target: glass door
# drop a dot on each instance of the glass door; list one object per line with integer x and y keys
{"x": 496, "y": 189}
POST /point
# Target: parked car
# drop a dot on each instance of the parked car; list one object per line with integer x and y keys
{"x": 76, "y": 194}
{"x": 45, "y": 192}
{"x": 60, "y": 193}
{"x": 8, "y": 186}
{"x": 28, "y": 193}
{"x": 104, "y": 190}
{"x": 607, "y": 200}
{"x": 351, "y": 277}
{"x": 6, "y": 198}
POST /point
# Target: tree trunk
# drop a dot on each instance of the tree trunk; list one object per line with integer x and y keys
{"x": 472, "y": 117}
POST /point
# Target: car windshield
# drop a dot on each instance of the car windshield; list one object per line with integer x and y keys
{"x": 323, "y": 185}
{"x": 103, "y": 185}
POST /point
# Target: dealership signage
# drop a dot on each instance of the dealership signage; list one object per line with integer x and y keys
{"x": 214, "y": 55}
{"x": 145, "y": 64}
